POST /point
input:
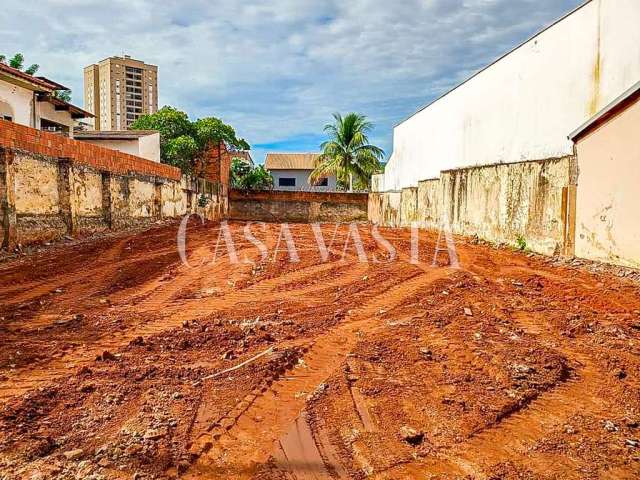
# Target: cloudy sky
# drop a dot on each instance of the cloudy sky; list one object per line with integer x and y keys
{"x": 277, "y": 69}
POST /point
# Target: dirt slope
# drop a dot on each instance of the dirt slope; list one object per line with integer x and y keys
{"x": 118, "y": 361}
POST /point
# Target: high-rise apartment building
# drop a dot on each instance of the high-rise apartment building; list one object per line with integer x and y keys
{"x": 118, "y": 90}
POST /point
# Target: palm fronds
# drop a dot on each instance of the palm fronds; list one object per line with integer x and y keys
{"x": 348, "y": 154}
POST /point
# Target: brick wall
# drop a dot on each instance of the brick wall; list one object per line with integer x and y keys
{"x": 14, "y": 136}
{"x": 301, "y": 207}
{"x": 216, "y": 164}
{"x": 51, "y": 186}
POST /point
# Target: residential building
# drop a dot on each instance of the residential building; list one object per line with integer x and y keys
{"x": 522, "y": 106}
{"x": 119, "y": 90}
{"x": 31, "y": 101}
{"x": 606, "y": 204}
{"x": 291, "y": 171}
{"x": 141, "y": 143}
{"x": 244, "y": 155}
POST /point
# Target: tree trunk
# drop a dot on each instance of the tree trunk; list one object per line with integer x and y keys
{"x": 351, "y": 182}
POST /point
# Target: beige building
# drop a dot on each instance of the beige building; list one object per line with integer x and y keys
{"x": 32, "y": 101}
{"x": 291, "y": 171}
{"x": 608, "y": 147}
{"x": 141, "y": 143}
{"x": 118, "y": 90}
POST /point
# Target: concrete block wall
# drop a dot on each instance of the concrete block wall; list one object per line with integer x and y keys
{"x": 408, "y": 206}
{"x": 44, "y": 196}
{"x": 508, "y": 203}
{"x": 502, "y": 203}
{"x": 297, "y": 207}
{"x": 429, "y": 203}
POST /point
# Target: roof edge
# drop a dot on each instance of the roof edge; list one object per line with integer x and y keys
{"x": 607, "y": 112}
{"x": 514, "y": 49}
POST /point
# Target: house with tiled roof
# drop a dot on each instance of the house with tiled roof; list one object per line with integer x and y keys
{"x": 31, "y": 101}
{"x": 291, "y": 171}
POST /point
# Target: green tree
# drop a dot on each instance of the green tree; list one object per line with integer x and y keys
{"x": 182, "y": 152}
{"x": 182, "y": 142}
{"x": 246, "y": 177}
{"x": 17, "y": 61}
{"x": 171, "y": 123}
{"x": 348, "y": 153}
{"x": 64, "y": 95}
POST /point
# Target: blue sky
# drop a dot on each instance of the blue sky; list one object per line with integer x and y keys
{"x": 276, "y": 70}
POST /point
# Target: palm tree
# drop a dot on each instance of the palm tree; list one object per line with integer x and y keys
{"x": 17, "y": 62}
{"x": 347, "y": 153}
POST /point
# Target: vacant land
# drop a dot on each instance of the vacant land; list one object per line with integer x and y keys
{"x": 119, "y": 361}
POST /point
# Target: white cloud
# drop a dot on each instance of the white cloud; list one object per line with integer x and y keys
{"x": 277, "y": 69}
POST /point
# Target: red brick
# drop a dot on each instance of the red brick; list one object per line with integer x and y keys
{"x": 17, "y": 136}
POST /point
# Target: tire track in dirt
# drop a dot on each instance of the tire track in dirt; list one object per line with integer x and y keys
{"x": 513, "y": 436}
{"x": 105, "y": 266}
{"x": 240, "y": 447}
{"x": 71, "y": 299}
{"x": 20, "y": 381}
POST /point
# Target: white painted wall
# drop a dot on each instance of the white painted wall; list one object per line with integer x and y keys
{"x": 302, "y": 181}
{"x": 48, "y": 111}
{"x": 524, "y": 106}
{"x": 149, "y": 147}
{"x": 125, "y": 146}
{"x": 146, "y": 147}
{"x": 20, "y": 101}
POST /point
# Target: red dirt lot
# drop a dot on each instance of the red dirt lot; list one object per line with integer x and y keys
{"x": 119, "y": 361}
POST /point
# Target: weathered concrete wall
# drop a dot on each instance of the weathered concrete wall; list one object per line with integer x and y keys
{"x": 430, "y": 203}
{"x": 391, "y": 204}
{"x": 374, "y": 207}
{"x": 408, "y": 206}
{"x": 86, "y": 199}
{"x": 508, "y": 203}
{"x": 377, "y": 182}
{"x": 37, "y": 196}
{"x": 44, "y": 198}
{"x": 174, "y": 202}
{"x": 141, "y": 198}
{"x": 607, "y": 220}
{"x": 523, "y": 106}
{"x": 118, "y": 210}
{"x": 281, "y": 206}
{"x": 502, "y": 203}
{"x": 36, "y": 185}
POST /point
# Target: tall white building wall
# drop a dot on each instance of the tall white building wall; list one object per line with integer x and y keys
{"x": 524, "y": 106}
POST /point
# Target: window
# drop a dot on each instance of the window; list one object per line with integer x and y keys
{"x": 118, "y": 121}
{"x": 6, "y": 112}
{"x": 53, "y": 127}
{"x": 323, "y": 182}
{"x": 286, "y": 182}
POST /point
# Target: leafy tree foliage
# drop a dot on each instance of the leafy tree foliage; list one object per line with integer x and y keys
{"x": 17, "y": 61}
{"x": 348, "y": 153}
{"x": 182, "y": 141}
{"x": 64, "y": 95}
{"x": 246, "y": 177}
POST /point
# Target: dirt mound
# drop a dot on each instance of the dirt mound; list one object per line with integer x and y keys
{"x": 118, "y": 361}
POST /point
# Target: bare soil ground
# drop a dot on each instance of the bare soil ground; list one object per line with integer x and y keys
{"x": 117, "y": 361}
